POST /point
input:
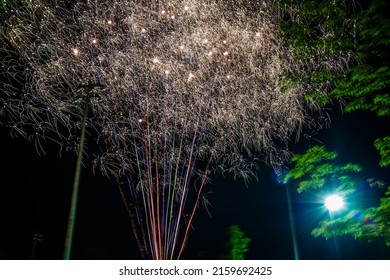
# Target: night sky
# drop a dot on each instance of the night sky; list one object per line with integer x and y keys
{"x": 36, "y": 195}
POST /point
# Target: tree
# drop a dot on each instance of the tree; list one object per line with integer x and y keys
{"x": 237, "y": 244}
{"x": 322, "y": 29}
{"x": 360, "y": 31}
{"x": 317, "y": 32}
{"x": 316, "y": 169}
{"x": 366, "y": 85}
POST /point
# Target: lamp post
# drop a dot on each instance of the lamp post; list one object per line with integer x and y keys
{"x": 292, "y": 224}
{"x": 334, "y": 203}
{"x": 280, "y": 173}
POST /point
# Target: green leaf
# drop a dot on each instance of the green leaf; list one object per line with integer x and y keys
{"x": 383, "y": 146}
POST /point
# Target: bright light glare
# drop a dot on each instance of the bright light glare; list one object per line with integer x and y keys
{"x": 334, "y": 202}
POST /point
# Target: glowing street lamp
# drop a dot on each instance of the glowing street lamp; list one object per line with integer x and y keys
{"x": 334, "y": 202}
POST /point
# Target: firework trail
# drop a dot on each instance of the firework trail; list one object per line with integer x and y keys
{"x": 177, "y": 89}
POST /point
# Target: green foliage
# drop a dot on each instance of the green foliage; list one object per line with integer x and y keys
{"x": 383, "y": 217}
{"x": 326, "y": 28}
{"x": 237, "y": 244}
{"x": 306, "y": 162}
{"x": 314, "y": 29}
{"x": 383, "y": 146}
{"x": 315, "y": 26}
{"x": 3, "y": 4}
{"x": 315, "y": 169}
{"x": 376, "y": 183}
{"x": 358, "y": 224}
{"x": 3, "y": 8}
{"x": 366, "y": 88}
{"x": 320, "y": 35}
{"x": 367, "y": 85}
{"x": 369, "y": 224}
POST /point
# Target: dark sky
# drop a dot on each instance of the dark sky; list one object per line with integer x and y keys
{"x": 35, "y": 196}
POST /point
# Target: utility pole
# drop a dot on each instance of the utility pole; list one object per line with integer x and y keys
{"x": 76, "y": 183}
